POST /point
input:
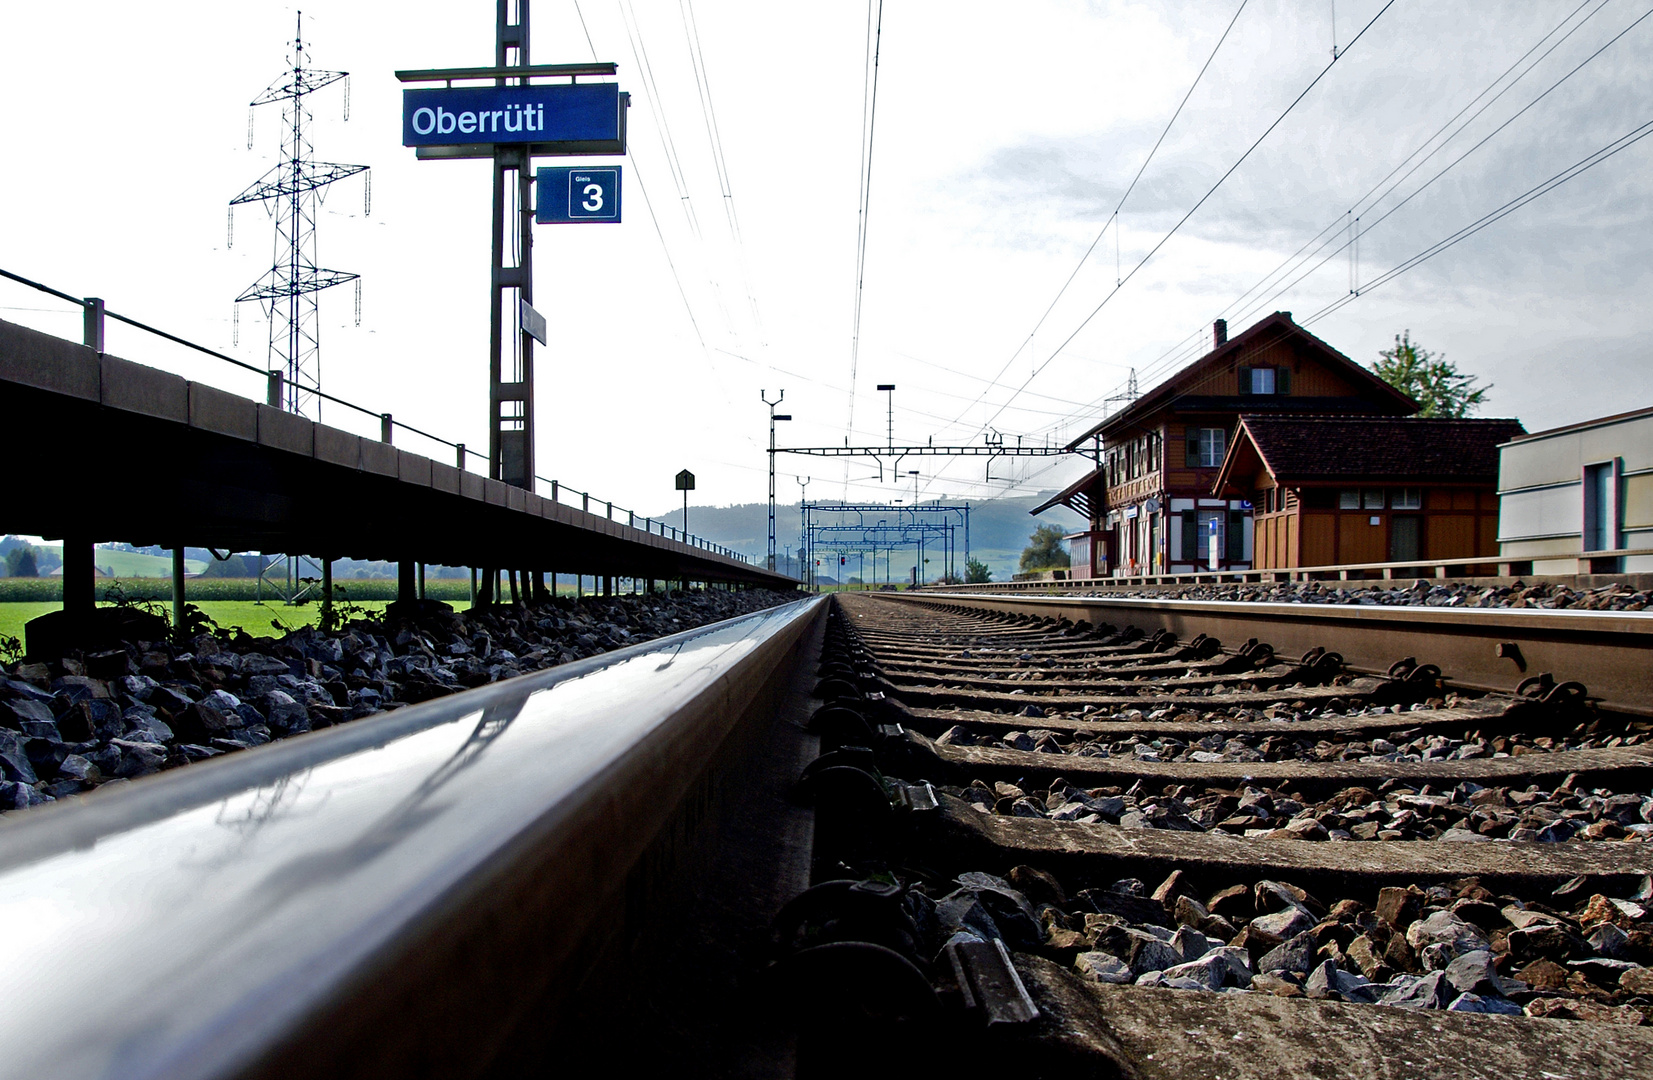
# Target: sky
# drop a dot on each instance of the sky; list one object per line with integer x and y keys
{"x": 1003, "y": 140}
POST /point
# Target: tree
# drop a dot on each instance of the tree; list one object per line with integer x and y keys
{"x": 976, "y": 572}
{"x": 236, "y": 566}
{"x": 20, "y": 562}
{"x": 1045, "y": 550}
{"x": 1433, "y": 381}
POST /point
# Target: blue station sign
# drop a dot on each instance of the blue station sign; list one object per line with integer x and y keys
{"x": 561, "y": 118}
{"x": 565, "y": 195}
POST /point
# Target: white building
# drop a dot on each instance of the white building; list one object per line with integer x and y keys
{"x": 1579, "y": 499}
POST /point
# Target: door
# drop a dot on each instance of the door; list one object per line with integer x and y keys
{"x": 1598, "y": 507}
{"x": 1601, "y": 517}
{"x": 1405, "y": 538}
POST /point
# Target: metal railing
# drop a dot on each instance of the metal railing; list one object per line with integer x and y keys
{"x": 1437, "y": 569}
{"x": 94, "y": 311}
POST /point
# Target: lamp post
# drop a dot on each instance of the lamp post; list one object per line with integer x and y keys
{"x": 763, "y": 395}
{"x": 803, "y": 528}
{"x": 918, "y": 571}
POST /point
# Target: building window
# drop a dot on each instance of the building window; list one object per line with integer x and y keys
{"x": 1348, "y": 500}
{"x": 1374, "y": 499}
{"x": 1408, "y": 499}
{"x": 1197, "y": 529}
{"x": 1206, "y": 447}
{"x": 1265, "y": 380}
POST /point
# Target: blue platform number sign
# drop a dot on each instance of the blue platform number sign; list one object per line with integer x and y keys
{"x": 568, "y": 195}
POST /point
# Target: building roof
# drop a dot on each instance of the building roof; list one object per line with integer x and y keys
{"x": 1328, "y": 449}
{"x": 1583, "y": 425}
{"x": 1279, "y": 325}
{"x": 1077, "y": 496}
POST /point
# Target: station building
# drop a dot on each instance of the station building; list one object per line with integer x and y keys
{"x": 1347, "y": 490}
{"x": 1579, "y": 499}
{"x": 1152, "y": 500}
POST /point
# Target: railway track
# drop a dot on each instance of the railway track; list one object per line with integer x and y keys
{"x": 1141, "y": 855}
{"x": 885, "y": 834}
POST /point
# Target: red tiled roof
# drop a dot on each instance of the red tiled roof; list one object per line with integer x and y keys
{"x": 1309, "y": 448}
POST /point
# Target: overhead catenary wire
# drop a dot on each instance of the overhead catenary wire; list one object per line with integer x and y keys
{"x": 1578, "y": 168}
{"x": 1191, "y": 346}
{"x": 869, "y": 129}
{"x": 714, "y": 134}
{"x": 1487, "y": 138}
{"x": 1189, "y": 214}
{"x": 648, "y": 203}
{"x": 584, "y": 29}
{"x": 1368, "y": 202}
{"x": 1123, "y": 278}
{"x": 1113, "y": 218}
{"x": 651, "y": 90}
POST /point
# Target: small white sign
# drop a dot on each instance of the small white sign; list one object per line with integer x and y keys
{"x": 533, "y": 323}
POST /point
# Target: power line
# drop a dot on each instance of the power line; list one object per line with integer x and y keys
{"x": 1191, "y": 347}
{"x": 708, "y": 109}
{"x": 651, "y": 90}
{"x": 1113, "y": 218}
{"x": 1460, "y": 158}
{"x": 1184, "y": 219}
{"x": 637, "y": 173}
{"x": 1184, "y": 351}
{"x": 869, "y": 128}
{"x": 1571, "y": 172}
{"x": 584, "y": 29}
{"x": 1578, "y": 168}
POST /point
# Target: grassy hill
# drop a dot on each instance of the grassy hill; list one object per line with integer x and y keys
{"x": 129, "y": 564}
{"x": 999, "y": 529}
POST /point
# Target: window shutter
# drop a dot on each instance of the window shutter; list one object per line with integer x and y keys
{"x": 1236, "y": 536}
{"x": 1245, "y": 379}
{"x": 1193, "y": 456}
{"x": 1282, "y": 380}
{"x": 1190, "y": 537}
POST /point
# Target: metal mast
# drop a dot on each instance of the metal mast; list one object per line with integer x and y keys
{"x": 763, "y": 395}
{"x": 291, "y": 193}
{"x": 511, "y": 284}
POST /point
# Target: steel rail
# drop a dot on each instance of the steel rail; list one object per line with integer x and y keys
{"x": 391, "y": 897}
{"x": 1487, "y": 649}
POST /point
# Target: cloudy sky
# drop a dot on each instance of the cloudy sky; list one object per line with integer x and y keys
{"x": 1005, "y": 138}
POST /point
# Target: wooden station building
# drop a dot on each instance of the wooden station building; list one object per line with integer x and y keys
{"x": 1340, "y": 490}
{"x": 1152, "y": 499}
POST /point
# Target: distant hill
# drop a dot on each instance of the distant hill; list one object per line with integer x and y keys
{"x": 999, "y": 528}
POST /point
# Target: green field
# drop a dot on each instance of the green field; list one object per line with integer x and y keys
{"x": 229, "y": 602}
{"x": 198, "y": 590}
{"x": 250, "y": 615}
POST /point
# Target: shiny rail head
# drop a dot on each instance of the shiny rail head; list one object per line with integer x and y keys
{"x": 201, "y": 914}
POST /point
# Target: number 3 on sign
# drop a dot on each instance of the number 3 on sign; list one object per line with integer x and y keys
{"x": 570, "y": 195}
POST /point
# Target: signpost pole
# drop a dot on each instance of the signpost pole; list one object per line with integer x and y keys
{"x": 511, "y": 384}
{"x": 685, "y": 484}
